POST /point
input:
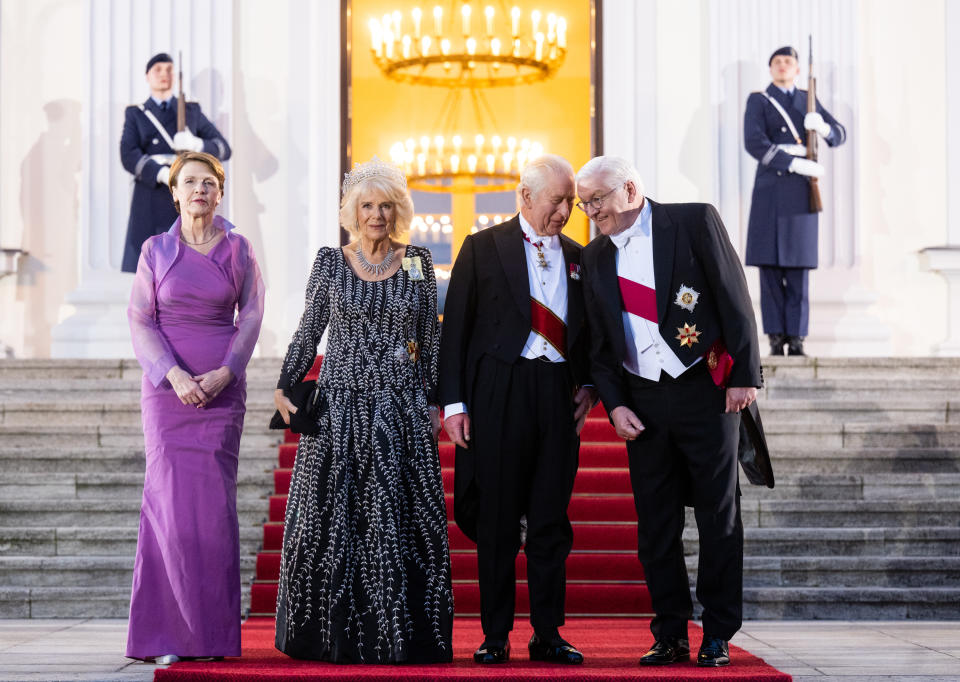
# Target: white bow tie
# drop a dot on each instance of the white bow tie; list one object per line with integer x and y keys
{"x": 620, "y": 240}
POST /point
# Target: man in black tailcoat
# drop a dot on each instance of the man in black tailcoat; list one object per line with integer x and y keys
{"x": 671, "y": 325}
{"x": 782, "y": 233}
{"x": 513, "y": 364}
{"x": 149, "y": 144}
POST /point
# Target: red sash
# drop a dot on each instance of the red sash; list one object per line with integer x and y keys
{"x": 638, "y": 299}
{"x": 719, "y": 363}
{"x": 546, "y": 323}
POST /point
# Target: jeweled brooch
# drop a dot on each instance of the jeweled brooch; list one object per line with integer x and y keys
{"x": 687, "y": 297}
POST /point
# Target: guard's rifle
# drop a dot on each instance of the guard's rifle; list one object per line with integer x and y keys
{"x": 816, "y": 204}
{"x": 181, "y": 101}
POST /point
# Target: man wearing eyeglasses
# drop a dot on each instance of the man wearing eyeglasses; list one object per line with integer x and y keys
{"x": 674, "y": 356}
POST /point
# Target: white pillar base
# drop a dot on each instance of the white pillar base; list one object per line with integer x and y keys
{"x": 94, "y": 319}
{"x": 945, "y": 261}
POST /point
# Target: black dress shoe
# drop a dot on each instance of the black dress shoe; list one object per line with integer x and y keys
{"x": 492, "y": 652}
{"x": 554, "y": 651}
{"x": 667, "y": 650}
{"x": 776, "y": 343}
{"x": 795, "y": 345}
{"x": 714, "y": 652}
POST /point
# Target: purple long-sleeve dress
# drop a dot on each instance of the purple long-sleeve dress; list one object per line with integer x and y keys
{"x": 186, "y": 578}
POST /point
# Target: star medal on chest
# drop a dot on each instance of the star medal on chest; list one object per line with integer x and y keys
{"x": 687, "y": 297}
{"x": 575, "y": 271}
{"x": 538, "y": 245}
{"x": 688, "y": 335}
{"x": 413, "y": 267}
{"x": 413, "y": 350}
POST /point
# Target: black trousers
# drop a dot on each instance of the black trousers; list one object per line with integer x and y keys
{"x": 784, "y": 300}
{"x": 526, "y": 449}
{"x": 688, "y": 454}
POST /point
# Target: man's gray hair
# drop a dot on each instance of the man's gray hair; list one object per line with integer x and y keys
{"x": 612, "y": 169}
{"x": 537, "y": 173}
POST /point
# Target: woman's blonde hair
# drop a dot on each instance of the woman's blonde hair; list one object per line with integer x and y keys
{"x": 391, "y": 189}
{"x": 208, "y": 160}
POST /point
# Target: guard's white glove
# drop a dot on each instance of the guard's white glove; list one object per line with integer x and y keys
{"x": 185, "y": 141}
{"x": 814, "y": 121}
{"x": 806, "y": 167}
{"x": 163, "y": 175}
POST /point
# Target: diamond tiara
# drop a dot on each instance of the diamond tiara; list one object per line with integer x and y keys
{"x": 372, "y": 168}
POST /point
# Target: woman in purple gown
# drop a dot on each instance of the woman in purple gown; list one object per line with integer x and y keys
{"x": 195, "y": 313}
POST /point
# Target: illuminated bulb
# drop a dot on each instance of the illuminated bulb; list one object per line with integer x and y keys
{"x": 447, "y": 229}
{"x": 428, "y": 219}
{"x": 445, "y": 220}
{"x": 386, "y": 22}
{"x": 511, "y": 143}
{"x": 376, "y": 38}
{"x": 438, "y": 143}
{"x": 388, "y": 41}
{"x": 423, "y": 227}
{"x": 538, "y": 52}
{"x": 435, "y": 227}
{"x": 472, "y": 163}
{"x": 465, "y": 14}
{"x": 507, "y": 160}
{"x": 473, "y": 230}
{"x": 515, "y": 22}
{"x": 457, "y": 141}
{"x": 488, "y": 11}
{"x": 535, "y": 19}
{"x": 425, "y": 45}
{"x": 496, "y": 219}
{"x": 417, "y": 15}
{"x": 445, "y": 46}
{"x": 562, "y": 33}
{"x": 491, "y": 163}
{"x": 438, "y": 20}
{"x": 521, "y": 160}
{"x": 478, "y": 141}
{"x": 495, "y": 141}
{"x": 454, "y": 164}
{"x": 410, "y": 145}
{"x": 525, "y": 144}
{"x": 471, "y": 43}
{"x": 421, "y": 164}
{"x": 396, "y": 22}
{"x": 495, "y": 47}
{"x": 551, "y": 27}
{"x": 406, "y": 47}
{"x": 483, "y": 219}
{"x": 424, "y": 144}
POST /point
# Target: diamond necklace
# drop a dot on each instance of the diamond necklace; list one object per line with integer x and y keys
{"x": 375, "y": 269}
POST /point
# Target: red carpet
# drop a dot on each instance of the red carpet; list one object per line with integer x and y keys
{"x": 606, "y": 599}
{"x": 610, "y": 647}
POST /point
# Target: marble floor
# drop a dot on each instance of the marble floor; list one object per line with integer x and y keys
{"x": 851, "y": 651}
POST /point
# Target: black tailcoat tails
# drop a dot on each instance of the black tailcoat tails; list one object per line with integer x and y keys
{"x": 522, "y": 456}
{"x": 688, "y": 449}
{"x": 141, "y": 147}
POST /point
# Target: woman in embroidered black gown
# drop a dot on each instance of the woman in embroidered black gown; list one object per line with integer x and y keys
{"x": 365, "y": 573}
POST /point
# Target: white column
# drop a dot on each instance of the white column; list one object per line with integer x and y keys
{"x": 121, "y": 37}
{"x": 945, "y": 259}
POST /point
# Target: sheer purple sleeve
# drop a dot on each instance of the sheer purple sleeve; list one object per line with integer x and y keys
{"x": 151, "y": 348}
{"x": 249, "y": 317}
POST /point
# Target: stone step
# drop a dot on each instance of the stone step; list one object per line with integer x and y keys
{"x": 27, "y": 415}
{"x": 842, "y": 411}
{"x": 12, "y": 369}
{"x": 862, "y": 486}
{"x": 865, "y": 571}
{"x": 123, "y": 459}
{"x": 821, "y": 435}
{"x": 75, "y": 602}
{"x": 860, "y": 369}
{"x": 869, "y": 389}
{"x": 34, "y": 513}
{"x": 106, "y": 486}
{"x": 766, "y": 513}
{"x": 83, "y": 571}
{"x": 935, "y": 460}
{"x": 851, "y": 603}
{"x": 96, "y": 436}
{"x": 932, "y": 541}
{"x": 93, "y": 540}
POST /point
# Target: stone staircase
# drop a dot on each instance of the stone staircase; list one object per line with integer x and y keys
{"x": 864, "y": 521}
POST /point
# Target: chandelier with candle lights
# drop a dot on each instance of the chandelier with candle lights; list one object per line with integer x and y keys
{"x": 468, "y": 46}
{"x": 484, "y": 165}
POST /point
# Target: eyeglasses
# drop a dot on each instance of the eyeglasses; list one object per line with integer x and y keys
{"x": 597, "y": 202}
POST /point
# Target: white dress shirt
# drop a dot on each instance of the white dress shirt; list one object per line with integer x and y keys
{"x": 548, "y": 286}
{"x": 648, "y": 351}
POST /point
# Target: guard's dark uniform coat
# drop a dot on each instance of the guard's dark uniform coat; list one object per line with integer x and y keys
{"x": 151, "y": 209}
{"x": 782, "y": 230}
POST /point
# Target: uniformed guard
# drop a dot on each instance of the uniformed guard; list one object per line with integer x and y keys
{"x": 148, "y": 146}
{"x": 782, "y": 232}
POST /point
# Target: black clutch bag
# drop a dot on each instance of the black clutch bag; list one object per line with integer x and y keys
{"x": 753, "y": 453}
{"x": 310, "y": 404}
